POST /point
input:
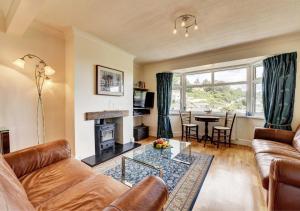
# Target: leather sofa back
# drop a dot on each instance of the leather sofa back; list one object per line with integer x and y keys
{"x": 28, "y": 160}
{"x": 296, "y": 140}
{"x": 12, "y": 193}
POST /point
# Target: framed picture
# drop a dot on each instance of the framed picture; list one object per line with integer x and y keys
{"x": 109, "y": 81}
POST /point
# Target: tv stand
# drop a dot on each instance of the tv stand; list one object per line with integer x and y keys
{"x": 140, "y": 132}
{"x": 137, "y": 111}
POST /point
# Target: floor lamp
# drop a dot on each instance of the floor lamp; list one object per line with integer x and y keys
{"x": 42, "y": 72}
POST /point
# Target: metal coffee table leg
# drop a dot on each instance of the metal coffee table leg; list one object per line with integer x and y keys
{"x": 123, "y": 180}
{"x": 123, "y": 170}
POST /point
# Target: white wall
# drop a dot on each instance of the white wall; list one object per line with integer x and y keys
{"x": 137, "y": 76}
{"x": 69, "y": 89}
{"x": 17, "y": 87}
{"x": 88, "y": 52}
{"x": 245, "y": 126}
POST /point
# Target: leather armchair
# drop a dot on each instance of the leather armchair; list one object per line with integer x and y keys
{"x": 277, "y": 153}
{"x": 282, "y": 136}
{"x": 149, "y": 194}
{"x": 284, "y": 185}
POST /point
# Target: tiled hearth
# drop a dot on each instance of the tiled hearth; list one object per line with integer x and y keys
{"x": 109, "y": 154}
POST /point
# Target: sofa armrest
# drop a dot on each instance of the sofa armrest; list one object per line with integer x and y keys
{"x": 283, "y": 136}
{"x": 30, "y": 159}
{"x": 284, "y": 185}
{"x": 148, "y": 195}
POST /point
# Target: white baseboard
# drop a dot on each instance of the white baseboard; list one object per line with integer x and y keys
{"x": 243, "y": 142}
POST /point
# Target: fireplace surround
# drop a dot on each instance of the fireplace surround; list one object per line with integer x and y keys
{"x": 109, "y": 128}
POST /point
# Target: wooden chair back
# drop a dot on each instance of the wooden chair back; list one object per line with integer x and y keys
{"x": 185, "y": 117}
{"x": 229, "y": 120}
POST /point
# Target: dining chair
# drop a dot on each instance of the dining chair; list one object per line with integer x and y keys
{"x": 188, "y": 129}
{"x": 225, "y": 131}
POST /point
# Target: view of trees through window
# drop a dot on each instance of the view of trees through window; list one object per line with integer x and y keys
{"x": 218, "y": 98}
{"x": 219, "y": 91}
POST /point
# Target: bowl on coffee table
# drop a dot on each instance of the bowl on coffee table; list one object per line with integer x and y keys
{"x": 161, "y": 143}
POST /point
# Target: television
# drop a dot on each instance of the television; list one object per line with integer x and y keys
{"x": 143, "y": 99}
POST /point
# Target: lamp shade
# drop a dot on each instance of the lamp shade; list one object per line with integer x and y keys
{"x": 49, "y": 71}
{"x": 20, "y": 63}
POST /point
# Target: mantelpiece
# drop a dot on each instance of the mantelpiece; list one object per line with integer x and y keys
{"x": 106, "y": 114}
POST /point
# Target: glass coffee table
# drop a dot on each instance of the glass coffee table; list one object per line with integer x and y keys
{"x": 153, "y": 158}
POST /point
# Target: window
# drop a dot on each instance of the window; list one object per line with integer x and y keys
{"x": 257, "y": 90}
{"x": 219, "y": 90}
{"x": 198, "y": 79}
{"x": 176, "y": 93}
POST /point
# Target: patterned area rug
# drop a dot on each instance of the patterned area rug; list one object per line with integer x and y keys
{"x": 184, "y": 181}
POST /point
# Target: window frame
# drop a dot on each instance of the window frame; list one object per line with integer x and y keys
{"x": 250, "y": 83}
{"x": 180, "y": 88}
{"x": 254, "y": 82}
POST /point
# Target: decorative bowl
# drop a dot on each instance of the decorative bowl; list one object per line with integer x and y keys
{"x": 161, "y": 144}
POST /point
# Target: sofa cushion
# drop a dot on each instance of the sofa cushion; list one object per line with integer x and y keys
{"x": 296, "y": 140}
{"x": 94, "y": 193}
{"x": 266, "y": 146}
{"x": 264, "y": 162}
{"x": 45, "y": 183}
{"x": 30, "y": 159}
{"x": 12, "y": 194}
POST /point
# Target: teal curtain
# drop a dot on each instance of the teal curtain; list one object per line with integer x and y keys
{"x": 279, "y": 82}
{"x": 164, "y": 94}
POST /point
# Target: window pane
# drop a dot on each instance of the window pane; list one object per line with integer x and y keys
{"x": 175, "y": 103}
{"x": 258, "y": 99}
{"x": 219, "y": 99}
{"x": 230, "y": 98}
{"x": 198, "y": 79}
{"x": 198, "y": 99}
{"x": 176, "y": 80}
{"x": 229, "y": 76}
{"x": 259, "y": 70}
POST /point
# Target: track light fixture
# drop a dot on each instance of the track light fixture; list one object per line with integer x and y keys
{"x": 185, "y": 22}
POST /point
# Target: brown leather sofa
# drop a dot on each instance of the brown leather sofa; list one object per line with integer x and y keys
{"x": 277, "y": 153}
{"x": 45, "y": 177}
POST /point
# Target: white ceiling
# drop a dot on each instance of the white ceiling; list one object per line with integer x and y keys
{"x": 144, "y": 27}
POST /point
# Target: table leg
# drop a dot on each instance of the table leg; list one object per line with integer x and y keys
{"x": 190, "y": 153}
{"x": 206, "y": 136}
{"x": 206, "y": 129}
{"x": 160, "y": 173}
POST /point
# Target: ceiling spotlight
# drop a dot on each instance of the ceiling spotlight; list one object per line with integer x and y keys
{"x": 186, "y": 32}
{"x": 185, "y": 21}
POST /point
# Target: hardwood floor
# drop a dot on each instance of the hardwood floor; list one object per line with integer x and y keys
{"x": 232, "y": 182}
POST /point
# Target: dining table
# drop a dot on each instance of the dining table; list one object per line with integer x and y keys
{"x": 206, "y": 120}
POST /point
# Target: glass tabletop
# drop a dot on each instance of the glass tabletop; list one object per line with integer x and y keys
{"x": 147, "y": 154}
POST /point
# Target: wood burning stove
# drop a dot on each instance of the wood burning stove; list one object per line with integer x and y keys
{"x": 104, "y": 136}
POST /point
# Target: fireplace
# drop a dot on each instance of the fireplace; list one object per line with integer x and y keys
{"x": 111, "y": 135}
{"x": 104, "y": 136}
